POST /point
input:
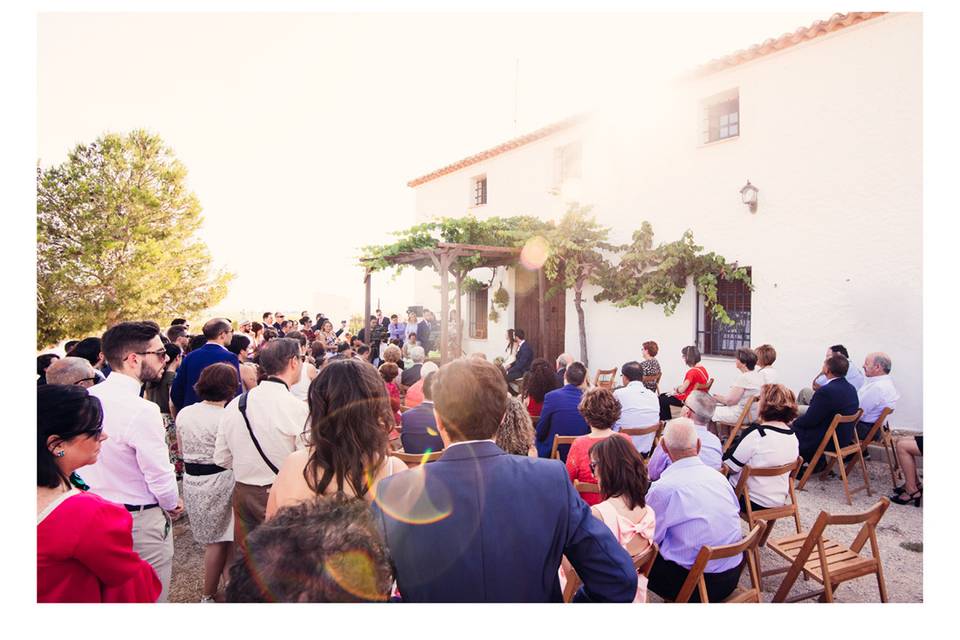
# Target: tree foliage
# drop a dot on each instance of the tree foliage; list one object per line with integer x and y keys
{"x": 115, "y": 227}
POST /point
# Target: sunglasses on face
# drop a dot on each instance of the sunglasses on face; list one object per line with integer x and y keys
{"x": 160, "y": 353}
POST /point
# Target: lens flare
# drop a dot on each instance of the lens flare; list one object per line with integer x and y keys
{"x": 355, "y": 572}
{"x": 410, "y": 502}
{"x": 534, "y": 252}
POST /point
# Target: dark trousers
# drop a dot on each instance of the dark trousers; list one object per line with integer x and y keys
{"x": 666, "y": 578}
{"x": 249, "y": 511}
{"x": 863, "y": 429}
{"x": 665, "y": 403}
{"x": 753, "y": 505}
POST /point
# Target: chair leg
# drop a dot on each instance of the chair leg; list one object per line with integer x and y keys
{"x": 846, "y": 484}
{"x": 866, "y": 476}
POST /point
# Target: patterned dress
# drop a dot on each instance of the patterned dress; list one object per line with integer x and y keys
{"x": 650, "y": 368}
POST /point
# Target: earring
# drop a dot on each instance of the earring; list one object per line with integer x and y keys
{"x": 61, "y": 453}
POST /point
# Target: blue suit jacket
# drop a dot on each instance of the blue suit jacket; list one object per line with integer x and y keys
{"x": 491, "y": 527}
{"x": 838, "y": 396}
{"x": 560, "y": 416}
{"x": 524, "y": 359}
{"x": 414, "y": 435}
{"x": 181, "y": 390}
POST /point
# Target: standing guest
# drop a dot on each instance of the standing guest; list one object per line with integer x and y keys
{"x": 382, "y": 321}
{"x": 279, "y": 319}
{"x": 877, "y": 391}
{"x": 284, "y": 569}
{"x": 695, "y": 506}
{"x": 650, "y": 366}
{"x": 328, "y": 337}
{"x": 600, "y": 409}
{"x": 510, "y": 353}
{"x": 695, "y": 375}
{"x": 256, "y": 334}
{"x": 415, "y": 393}
{"x": 349, "y": 422}
{"x": 159, "y": 392}
{"x": 516, "y": 435}
{"x": 287, "y": 327}
{"x": 258, "y": 431}
{"x": 71, "y": 370}
{"x": 180, "y": 322}
{"x": 419, "y": 427}
{"x": 524, "y": 358}
{"x": 622, "y": 476}
{"x": 218, "y": 334}
{"x": 766, "y": 356}
{"x": 835, "y": 396}
{"x": 307, "y": 371}
{"x": 539, "y": 381}
{"x": 640, "y": 406}
{"x": 389, "y": 373}
{"x": 134, "y": 466}
{"x": 306, "y": 329}
{"x": 91, "y": 349}
{"x": 373, "y": 334}
{"x": 697, "y": 408}
{"x": 564, "y": 360}
{"x": 742, "y": 389}
{"x": 422, "y": 329}
{"x": 43, "y": 363}
{"x": 434, "y": 325}
{"x": 178, "y": 335}
{"x": 506, "y": 520}
{"x": 195, "y": 343}
{"x": 240, "y": 347}
{"x": 317, "y": 353}
{"x": 412, "y": 373}
{"x": 771, "y": 443}
{"x": 397, "y": 330}
{"x": 69, "y": 345}
{"x": 561, "y": 415}
{"x": 208, "y": 487}
{"x": 908, "y": 449}
{"x": 267, "y": 319}
{"x": 84, "y": 547}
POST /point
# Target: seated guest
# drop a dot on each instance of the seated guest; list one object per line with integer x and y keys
{"x": 698, "y": 408}
{"x": 877, "y": 391}
{"x": 84, "y": 543}
{"x": 622, "y": 476}
{"x": 415, "y": 393}
{"x": 600, "y": 409}
{"x": 411, "y": 374}
{"x": 742, "y": 389}
{"x": 506, "y": 520}
{"x": 695, "y": 375}
{"x": 766, "y": 356}
{"x": 539, "y": 381}
{"x": 345, "y": 561}
{"x": 695, "y": 506}
{"x": 908, "y": 449}
{"x": 389, "y": 373}
{"x": 419, "y": 433}
{"x": 854, "y": 376}
{"x": 523, "y": 360}
{"x": 835, "y": 396}
{"x": 561, "y": 415}
{"x": 408, "y": 346}
{"x": 564, "y": 360}
{"x": 516, "y": 435}
{"x": 640, "y": 405}
{"x": 768, "y": 444}
{"x": 392, "y": 353}
{"x": 71, "y": 370}
{"x": 650, "y": 366}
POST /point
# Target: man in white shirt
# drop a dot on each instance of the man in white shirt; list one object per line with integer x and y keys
{"x": 877, "y": 391}
{"x": 134, "y": 467}
{"x": 640, "y": 407}
{"x": 255, "y": 447}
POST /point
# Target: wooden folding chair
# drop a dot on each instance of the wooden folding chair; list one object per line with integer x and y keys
{"x": 642, "y": 562}
{"x": 416, "y": 459}
{"x": 896, "y": 471}
{"x": 882, "y": 429}
{"x": 605, "y": 378}
{"x": 735, "y": 429}
{"x": 654, "y": 380}
{"x": 586, "y": 487}
{"x": 833, "y": 563}
{"x": 656, "y": 429}
{"x": 747, "y": 547}
{"x": 560, "y": 440}
{"x": 831, "y": 435}
{"x": 772, "y": 514}
{"x": 704, "y": 386}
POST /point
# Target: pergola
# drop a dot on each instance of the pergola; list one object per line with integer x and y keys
{"x": 442, "y": 257}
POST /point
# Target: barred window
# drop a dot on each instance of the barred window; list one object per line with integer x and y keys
{"x": 480, "y": 190}
{"x": 477, "y": 313}
{"x": 716, "y": 338}
{"x": 722, "y": 115}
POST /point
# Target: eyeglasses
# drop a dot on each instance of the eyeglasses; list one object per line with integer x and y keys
{"x": 81, "y": 380}
{"x": 160, "y": 353}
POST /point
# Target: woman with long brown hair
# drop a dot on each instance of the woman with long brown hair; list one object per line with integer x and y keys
{"x": 348, "y": 425}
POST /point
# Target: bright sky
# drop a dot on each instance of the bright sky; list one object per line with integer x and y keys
{"x": 300, "y": 131}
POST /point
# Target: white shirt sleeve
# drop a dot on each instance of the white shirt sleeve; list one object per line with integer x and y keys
{"x": 222, "y": 456}
{"x": 153, "y": 457}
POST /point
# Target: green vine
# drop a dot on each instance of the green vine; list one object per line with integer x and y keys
{"x": 494, "y": 315}
{"x": 501, "y": 298}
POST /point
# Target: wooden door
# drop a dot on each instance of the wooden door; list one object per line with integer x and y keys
{"x": 527, "y": 315}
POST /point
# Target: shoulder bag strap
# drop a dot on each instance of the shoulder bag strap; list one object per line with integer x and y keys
{"x": 256, "y": 443}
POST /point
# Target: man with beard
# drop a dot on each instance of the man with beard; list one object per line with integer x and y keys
{"x": 134, "y": 467}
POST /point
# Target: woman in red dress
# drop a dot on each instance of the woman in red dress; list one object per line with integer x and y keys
{"x": 84, "y": 543}
{"x": 389, "y": 372}
{"x": 600, "y": 408}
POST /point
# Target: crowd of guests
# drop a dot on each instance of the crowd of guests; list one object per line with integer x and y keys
{"x": 282, "y": 442}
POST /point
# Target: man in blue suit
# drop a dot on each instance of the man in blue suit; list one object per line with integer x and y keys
{"x": 479, "y": 525}
{"x": 419, "y": 427}
{"x": 218, "y": 333}
{"x": 524, "y": 358}
{"x": 835, "y": 396}
{"x": 560, "y": 415}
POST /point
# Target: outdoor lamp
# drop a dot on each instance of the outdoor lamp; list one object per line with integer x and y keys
{"x": 749, "y": 195}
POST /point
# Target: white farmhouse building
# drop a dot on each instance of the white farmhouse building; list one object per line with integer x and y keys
{"x": 825, "y": 122}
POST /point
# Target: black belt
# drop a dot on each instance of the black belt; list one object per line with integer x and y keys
{"x": 134, "y": 508}
{"x": 200, "y": 469}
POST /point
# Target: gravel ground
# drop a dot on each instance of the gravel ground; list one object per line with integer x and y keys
{"x": 899, "y": 534}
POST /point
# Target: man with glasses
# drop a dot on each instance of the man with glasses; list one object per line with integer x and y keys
{"x": 698, "y": 408}
{"x": 218, "y": 333}
{"x": 134, "y": 467}
{"x": 71, "y": 370}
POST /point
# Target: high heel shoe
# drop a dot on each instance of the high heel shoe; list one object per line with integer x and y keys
{"x": 905, "y": 498}
{"x": 902, "y": 489}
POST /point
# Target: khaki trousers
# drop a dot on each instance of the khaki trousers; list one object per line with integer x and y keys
{"x": 153, "y": 541}
{"x": 249, "y": 511}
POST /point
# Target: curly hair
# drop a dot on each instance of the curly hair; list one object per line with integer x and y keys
{"x": 777, "y": 403}
{"x": 600, "y": 408}
{"x": 389, "y": 371}
{"x": 540, "y": 380}
{"x": 516, "y": 433}
{"x": 392, "y": 354}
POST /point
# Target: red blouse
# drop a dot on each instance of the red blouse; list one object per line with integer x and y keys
{"x": 578, "y": 464}
{"x": 695, "y": 375}
{"x": 394, "y": 392}
{"x": 85, "y": 554}
{"x": 534, "y": 408}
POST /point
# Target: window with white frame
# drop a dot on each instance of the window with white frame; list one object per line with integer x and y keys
{"x": 479, "y": 190}
{"x": 721, "y": 116}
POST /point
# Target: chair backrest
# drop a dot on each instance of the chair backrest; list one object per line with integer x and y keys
{"x": 743, "y": 489}
{"x": 586, "y": 487}
{"x": 605, "y": 378}
{"x": 735, "y": 431}
{"x": 642, "y": 562}
{"x": 746, "y": 546}
{"x": 652, "y": 379}
{"x": 416, "y": 459}
{"x": 704, "y": 386}
{"x": 837, "y": 421}
{"x": 656, "y": 429}
{"x": 560, "y": 440}
{"x": 877, "y": 425}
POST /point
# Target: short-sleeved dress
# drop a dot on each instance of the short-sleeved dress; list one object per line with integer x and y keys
{"x": 750, "y": 382}
{"x": 207, "y": 499}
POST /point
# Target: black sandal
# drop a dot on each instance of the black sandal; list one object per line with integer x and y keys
{"x": 904, "y": 498}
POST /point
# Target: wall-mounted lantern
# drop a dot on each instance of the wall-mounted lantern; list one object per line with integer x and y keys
{"x": 749, "y": 195}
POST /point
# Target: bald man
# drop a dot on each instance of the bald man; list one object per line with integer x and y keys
{"x": 876, "y": 392}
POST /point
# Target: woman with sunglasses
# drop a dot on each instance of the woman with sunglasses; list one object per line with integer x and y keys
{"x": 84, "y": 543}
